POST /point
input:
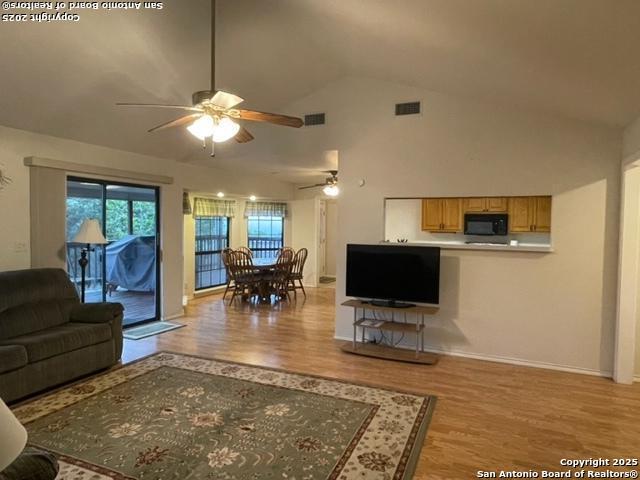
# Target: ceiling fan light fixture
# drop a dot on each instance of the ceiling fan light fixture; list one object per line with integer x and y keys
{"x": 225, "y": 130}
{"x": 203, "y": 127}
{"x": 331, "y": 190}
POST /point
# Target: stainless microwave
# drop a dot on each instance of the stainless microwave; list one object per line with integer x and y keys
{"x": 486, "y": 224}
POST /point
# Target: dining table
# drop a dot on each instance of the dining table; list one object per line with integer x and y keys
{"x": 265, "y": 268}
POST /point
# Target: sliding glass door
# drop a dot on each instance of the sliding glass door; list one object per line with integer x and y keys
{"x": 126, "y": 269}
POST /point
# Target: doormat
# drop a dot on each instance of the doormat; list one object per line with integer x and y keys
{"x": 136, "y": 333}
{"x": 178, "y": 416}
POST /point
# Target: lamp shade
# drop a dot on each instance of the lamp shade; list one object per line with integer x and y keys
{"x": 13, "y": 437}
{"x": 90, "y": 233}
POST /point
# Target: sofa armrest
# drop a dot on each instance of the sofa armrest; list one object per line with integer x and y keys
{"x": 111, "y": 313}
{"x": 96, "y": 312}
{"x": 32, "y": 464}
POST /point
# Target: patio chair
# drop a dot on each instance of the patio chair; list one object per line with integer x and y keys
{"x": 297, "y": 272}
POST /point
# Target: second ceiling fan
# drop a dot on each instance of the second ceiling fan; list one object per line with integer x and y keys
{"x": 330, "y": 184}
{"x": 214, "y": 113}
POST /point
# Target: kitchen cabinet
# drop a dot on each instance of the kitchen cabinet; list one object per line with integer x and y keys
{"x": 497, "y": 204}
{"x": 526, "y": 214}
{"x": 442, "y": 215}
{"x": 530, "y": 214}
{"x": 431, "y": 214}
{"x": 542, "y": 222}
{"x": 485, "y": 204}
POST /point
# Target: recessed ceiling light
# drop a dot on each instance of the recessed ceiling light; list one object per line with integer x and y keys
{"x": 253, "y": 198}
{"x": 220, "y": 194}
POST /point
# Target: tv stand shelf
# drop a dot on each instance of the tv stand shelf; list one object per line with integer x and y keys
{"x": 389, "y": 326}
{"x": 399, "y": 323}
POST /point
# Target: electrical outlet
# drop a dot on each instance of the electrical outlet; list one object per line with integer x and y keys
{"x": 20, "y": 247}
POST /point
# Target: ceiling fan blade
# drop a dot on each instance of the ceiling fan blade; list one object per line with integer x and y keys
{"x": 312, "y": 186}
{"x": 226, "y": 100}
{"x": 271, "y": 118}
{"x": 177, "y": 122}
{"x": 243, "y": 136}
{"x": 158, "y": 105}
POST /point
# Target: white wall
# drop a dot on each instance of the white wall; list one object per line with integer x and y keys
{"x": 14, "y": 200}
{"x": 631, "y": 143}
{"x": 305, "y": 215}
{"x": 553, "y": 309}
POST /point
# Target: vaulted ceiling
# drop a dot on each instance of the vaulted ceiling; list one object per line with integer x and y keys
{"x": 574, "y": 58}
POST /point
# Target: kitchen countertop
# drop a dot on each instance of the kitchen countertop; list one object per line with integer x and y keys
{"x": 521, "y": 247}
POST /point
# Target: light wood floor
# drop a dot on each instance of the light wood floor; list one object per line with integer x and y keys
{"x": 489, "y": 416}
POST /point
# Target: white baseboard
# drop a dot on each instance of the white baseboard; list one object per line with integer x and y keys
{"x": 509, "y": 360}
{"x": 175, "y": 315}
{"x": 208, "y": 291}
{"x": 636, "y": 378}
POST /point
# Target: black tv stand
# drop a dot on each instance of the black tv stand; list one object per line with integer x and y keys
{"x": 400, "y": 323}
{"x": 390, "y": 304}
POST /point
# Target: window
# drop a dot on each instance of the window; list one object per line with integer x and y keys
{"x": 212, "y": 236}
{"x": 265, "y": 236}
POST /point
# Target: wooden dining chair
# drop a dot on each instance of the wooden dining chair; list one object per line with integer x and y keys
{"x": 246, "y": 250}
{"x": 281, "y": 273}
{"x": 224, "y": 255}
{"x": 285, "y": 249}
{"x": 244, "y": 275}
{"x": 297, "y": 272}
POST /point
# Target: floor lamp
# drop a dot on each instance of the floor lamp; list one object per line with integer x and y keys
{"x": 89, "y": 234}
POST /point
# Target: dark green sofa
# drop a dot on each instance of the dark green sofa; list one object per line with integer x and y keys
{"x": 47, "y": 337}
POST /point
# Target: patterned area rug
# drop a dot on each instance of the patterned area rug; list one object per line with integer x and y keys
{"x": 172, "y": 416}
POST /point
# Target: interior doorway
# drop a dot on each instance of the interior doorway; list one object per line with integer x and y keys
{"x": 328, "y": 241}
{"x": 127, "y": 268}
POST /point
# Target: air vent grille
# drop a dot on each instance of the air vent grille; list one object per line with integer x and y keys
{"x": 314, "y": 119}
{"x": 409, "y": 108}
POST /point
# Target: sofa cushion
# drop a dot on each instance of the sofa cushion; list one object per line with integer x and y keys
{"x": 32, "y": 317}
{"x": 12, "y": 357}
{"x": 63, "y": 338}
{"x": 34, "y": 300}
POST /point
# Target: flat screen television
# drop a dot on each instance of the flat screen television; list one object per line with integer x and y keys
{"x": 394, "y": 273}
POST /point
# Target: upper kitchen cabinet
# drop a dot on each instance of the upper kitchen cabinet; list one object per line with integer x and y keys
{"x": 485, "y": 204}
{"x": 530, "y": 214}
{"x": 442, "y": 215}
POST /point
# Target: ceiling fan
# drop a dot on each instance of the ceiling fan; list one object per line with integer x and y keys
{"x": 214, "y": 112}
{"x": 330, "y": 184}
